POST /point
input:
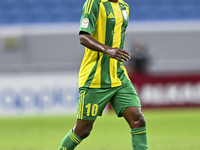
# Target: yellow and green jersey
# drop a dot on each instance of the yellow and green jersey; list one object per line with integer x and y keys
{"x": 106, "y": 22}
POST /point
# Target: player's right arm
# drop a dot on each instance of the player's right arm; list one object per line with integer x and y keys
{"x": 88, "y": 41}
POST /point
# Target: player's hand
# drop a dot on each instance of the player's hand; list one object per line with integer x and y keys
{"x": 118, "y": 54}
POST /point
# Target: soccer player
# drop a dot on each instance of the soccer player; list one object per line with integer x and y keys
{"x": 102, "y": 76}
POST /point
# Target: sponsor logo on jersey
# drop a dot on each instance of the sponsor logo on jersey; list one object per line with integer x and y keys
{"x": 125, "y": 14}
{"x": 85, "y": 23}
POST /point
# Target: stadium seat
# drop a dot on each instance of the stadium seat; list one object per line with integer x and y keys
{"x": 13, "y": 16}
{"x": 52, "y": 11}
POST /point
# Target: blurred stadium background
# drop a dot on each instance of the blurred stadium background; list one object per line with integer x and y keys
{"x": 40, "y": 56}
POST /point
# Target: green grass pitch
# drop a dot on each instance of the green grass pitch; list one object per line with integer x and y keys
{"x": 168, "y": 129}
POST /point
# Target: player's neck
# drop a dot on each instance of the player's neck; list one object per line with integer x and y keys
{"x": 114, "y": 1}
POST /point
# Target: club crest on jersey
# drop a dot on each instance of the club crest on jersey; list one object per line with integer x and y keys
{"x": 125, "y": 14}
{"x": 85, "y": 23}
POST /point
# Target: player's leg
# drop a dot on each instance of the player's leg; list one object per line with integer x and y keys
{"x": 76, "y": 135}
{"x": 136, "y": 121}
{"x": 83, "y": 128}
{"x": 126, "y": 103}
{"x": 91, "y": 104}
{"x": 134, "y": 117}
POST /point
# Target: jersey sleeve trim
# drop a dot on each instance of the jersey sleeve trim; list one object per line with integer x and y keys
{"x": 89, "y": 16}
{"x": 88, "y": 6}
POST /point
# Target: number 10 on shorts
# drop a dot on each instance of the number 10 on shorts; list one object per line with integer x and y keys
{"x": 91, "y": 109}
{"x": 86, "y": 109}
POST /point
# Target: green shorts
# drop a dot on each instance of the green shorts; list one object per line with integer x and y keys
{"x": 92, "y": 101}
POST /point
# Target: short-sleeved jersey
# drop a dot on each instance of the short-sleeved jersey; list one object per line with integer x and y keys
{"x": 106, "y": 22}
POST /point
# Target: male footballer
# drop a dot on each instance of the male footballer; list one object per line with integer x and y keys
{"x": 102, "y": 77}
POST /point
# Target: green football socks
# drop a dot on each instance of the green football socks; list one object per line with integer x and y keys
{"x": 70, "y": 141}
{"x": 139, "y": 138}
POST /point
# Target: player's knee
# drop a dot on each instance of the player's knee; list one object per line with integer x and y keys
{"x": 142, "y": 121}
{"x": 138, "y": 121}
{"x": 134, "y": 117}
{"x": 83, "y": 131}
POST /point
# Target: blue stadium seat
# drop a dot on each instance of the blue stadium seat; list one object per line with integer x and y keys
{"x": 139, "y": 13}
{"x": 52, "y": 11}
{"x": 13, "y": 16}
{"x": 58, "y": 15}
{"x": 2, "y": 17}
{"x": 188, "y": 12}
{"x": 33, "y": 15}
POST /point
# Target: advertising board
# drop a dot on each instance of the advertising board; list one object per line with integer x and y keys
{"x": 33, "y": 94}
